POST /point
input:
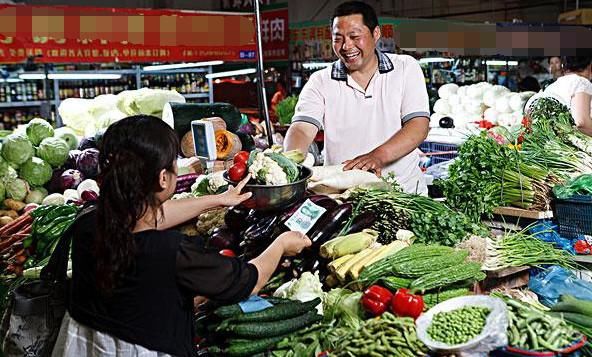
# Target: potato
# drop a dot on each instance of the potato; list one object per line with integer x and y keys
{"x": 9, "y": 213}
{"x": 5, "y": 220}
{"x": 14, "y": 204}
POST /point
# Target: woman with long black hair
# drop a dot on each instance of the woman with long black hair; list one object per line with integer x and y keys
{"x": 133, "y": 281}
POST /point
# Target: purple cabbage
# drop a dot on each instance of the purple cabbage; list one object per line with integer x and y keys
{"x": 70, "y": 179}
{"x": 87, "y": 143}
{"x": 71, "y": 161}
{"x": 88, "y": 163}
{"x": 54, "y": 184}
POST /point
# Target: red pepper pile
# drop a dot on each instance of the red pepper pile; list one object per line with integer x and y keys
{"x": 377, "y": 299}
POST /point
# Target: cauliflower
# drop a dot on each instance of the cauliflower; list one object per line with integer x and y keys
{"x": 216, "y": 181}
{"x": 265, "y": 169}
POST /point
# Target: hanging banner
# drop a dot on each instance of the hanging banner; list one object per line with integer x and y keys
{"x": 64, "y": 34}
{"x": 275, "y": 33}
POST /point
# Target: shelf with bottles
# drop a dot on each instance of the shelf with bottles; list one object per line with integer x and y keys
{"x": 92, "y": 88}
{"x": 192, "y": 84}
{"x": 13, "y": 117}
{"x": 21, "y": 93}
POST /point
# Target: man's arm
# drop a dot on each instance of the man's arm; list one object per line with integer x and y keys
{"x": 580, "y": 105}
{"x": 402, "y": 143}
{"x": 299, "y": 136}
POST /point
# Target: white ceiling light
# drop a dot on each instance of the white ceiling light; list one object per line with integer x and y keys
{"x": 70, "y": 76}
{"x": 501, "y": 63}
{"x": 11, "y": 80}
{"x": 231, "y": 73}
{"x": 315, "y": 65}
{"x": 435, "y": 60}
{"x": 164, "y": 67}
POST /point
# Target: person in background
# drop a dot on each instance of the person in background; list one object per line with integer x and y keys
{"x": 279, "y": 95}
{"x": 372, "y": 106}
{"x": 575, "y": 90}
{"x": 134, "y": 279}
{"x": 556, "y": 70}
{"x": 529, "y": 84}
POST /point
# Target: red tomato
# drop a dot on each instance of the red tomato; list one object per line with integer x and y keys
{"x": 227, "y": 253}
{"x": 237, "y": 171}
{"x": 241, "y": 156}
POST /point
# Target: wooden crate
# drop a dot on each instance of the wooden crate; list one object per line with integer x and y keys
{"x": 576, "y": 17}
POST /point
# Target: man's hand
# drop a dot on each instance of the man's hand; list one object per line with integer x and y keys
{"x": 367, "y": 162}
{"x": 233, "y": 196}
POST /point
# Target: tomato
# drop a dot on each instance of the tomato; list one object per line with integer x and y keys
{"x": 237, "y": 171}
{"x": 241, "y": 156}
{"x": 227, "y": 253}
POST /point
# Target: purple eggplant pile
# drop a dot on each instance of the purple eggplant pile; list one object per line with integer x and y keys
{"x": 249, "y": 232}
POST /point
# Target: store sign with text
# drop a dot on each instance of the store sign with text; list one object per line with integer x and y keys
{"x": 275, "y": 35}
{"x": 64, "y": 34}
{"x": 241, "y": 5}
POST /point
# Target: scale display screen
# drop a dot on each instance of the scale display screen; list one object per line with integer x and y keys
{"x": 204, "y": 139}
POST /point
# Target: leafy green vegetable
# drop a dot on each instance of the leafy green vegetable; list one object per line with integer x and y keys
{"x": 285, "y": 109}
{"x": 287, "y": 165}
{"x": 36, "y": 195}
{"x": 38, "y": 129}
{"x": 36, "y": 171}
{"x": 54, "y": 151}
{"x": 17, "y": 189}
{"x": 68, "y": 136}
{"x": 17, "y": 149}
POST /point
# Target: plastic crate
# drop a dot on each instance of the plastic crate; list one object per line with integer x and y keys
{"x": 574, "y": 216}
{"x": 437, "y": 152}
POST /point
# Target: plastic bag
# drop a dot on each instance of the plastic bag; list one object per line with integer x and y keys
{"x": 581, "y": 185}
{"x": 547, "y": 232}
{"x": 493, "y": 335}
{"x": 550, "y": 284}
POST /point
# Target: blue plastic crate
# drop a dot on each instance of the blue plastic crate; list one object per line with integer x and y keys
{"x": 573, "y": 216}
{"x": 438, "y": 152}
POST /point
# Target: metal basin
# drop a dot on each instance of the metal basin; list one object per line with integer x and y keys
{"x": 269, "y": 198}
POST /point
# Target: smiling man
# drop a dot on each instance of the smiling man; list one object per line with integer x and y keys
{"x": 372, "y": 106}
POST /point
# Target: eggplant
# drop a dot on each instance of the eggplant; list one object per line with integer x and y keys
{"x": 223, "y": 238}
{"x": 329, "y": 225}
{"x": 362, "y": 221}
{"x": 262, "y": 230}
{"x": 236, "y": 218}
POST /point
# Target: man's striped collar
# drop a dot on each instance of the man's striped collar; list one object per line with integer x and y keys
{"x": 339, "y": 71}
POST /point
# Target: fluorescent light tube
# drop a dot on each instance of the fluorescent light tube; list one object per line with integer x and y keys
{"x": 314, "y": 65}
{"x": 435, "y": 60}
{"x": 11, "y": 80}
{"x": 163, "y": 67}
{"x": 231, "y": 73}
{"x": 70, "y": 76}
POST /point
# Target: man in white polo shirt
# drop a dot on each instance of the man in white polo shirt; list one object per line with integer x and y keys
{"x": 372, "y": 106}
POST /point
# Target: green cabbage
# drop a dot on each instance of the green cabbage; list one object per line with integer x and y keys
{"x": 68, "y": 136}
{"x": 38, "y": 129}
{"x": 54, "y": 151}
{"x": 146, "y": 101}
{"x": 17, "y": 189}
{"x": 17, "y": 149}
{"x": 36, "y": 171}
{"x": 36, "y": 195}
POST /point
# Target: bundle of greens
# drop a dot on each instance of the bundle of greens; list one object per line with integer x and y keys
{"x": 431, "y": 221}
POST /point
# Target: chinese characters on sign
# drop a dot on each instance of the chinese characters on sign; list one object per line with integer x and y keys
{"x": 274, "y": 34}
{"x": 241, "y": 5}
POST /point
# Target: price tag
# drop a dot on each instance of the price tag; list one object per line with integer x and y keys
{"x": 306, "y": 216}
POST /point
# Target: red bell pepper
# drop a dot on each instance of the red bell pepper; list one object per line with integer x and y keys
{"x": 405, "y": 304}
{"x": 376, "y": 300}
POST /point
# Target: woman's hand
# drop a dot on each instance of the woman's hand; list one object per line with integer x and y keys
{"x": 293, "y": 242}
{"x": 233, "y": 196}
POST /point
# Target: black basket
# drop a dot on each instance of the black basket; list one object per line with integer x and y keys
{"x": 573, "y": 215}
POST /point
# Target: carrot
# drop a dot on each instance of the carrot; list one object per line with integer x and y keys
{"x": 15, "y": 225}
{"x": 7, "y": 243}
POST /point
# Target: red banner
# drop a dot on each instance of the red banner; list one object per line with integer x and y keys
{"x": 82, "y": 34}
{"x": 275, "y": 34}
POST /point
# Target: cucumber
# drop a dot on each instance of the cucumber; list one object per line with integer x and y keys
{"x": 274, "y": 328}
{"x": 249, "y": 348}
{"x": 228, "y": 311}
{"x": 579, "y": 319}
{"x": 278, "y": 312}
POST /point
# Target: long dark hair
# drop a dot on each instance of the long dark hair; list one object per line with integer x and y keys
{"x": 133, "y": 152}
{"x": 576, "y": 63}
